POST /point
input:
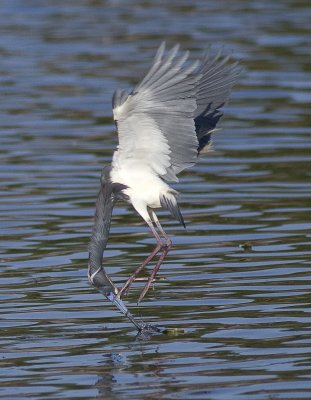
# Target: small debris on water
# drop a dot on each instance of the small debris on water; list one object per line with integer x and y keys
{"x": 173, "y": 331}
{"x": 247, "y": 246}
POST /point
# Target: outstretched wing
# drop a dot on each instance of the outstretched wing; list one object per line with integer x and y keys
{"x": 155, "y": 122}
{"x": 217, "y": 76}
{"x": 159, "y": 121}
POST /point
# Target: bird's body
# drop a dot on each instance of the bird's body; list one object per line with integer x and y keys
{"x": 144, "y": 187}
{"x": 163, "y": 126}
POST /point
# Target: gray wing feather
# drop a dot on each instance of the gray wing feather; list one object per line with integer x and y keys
{"x": 156, "y": 64}
{"x": 165, "y": 119}
{"x": 161, "y": 66}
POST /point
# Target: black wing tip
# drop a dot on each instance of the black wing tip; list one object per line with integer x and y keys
{"x": 205, "y": 142}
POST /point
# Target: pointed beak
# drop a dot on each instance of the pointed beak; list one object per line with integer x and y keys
{"x": 121, "y": 306}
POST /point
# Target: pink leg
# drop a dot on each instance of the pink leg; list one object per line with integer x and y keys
{"x": 167, "y": 239}
{"x": 166, "y": 248}
{"x": 132, "y": 278}
{"x": 153, "y": 274}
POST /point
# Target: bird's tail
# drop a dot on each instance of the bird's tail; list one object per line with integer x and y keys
{"x": 169, "y": 202}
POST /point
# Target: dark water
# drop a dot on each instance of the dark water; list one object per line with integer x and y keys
{"x": 234, "y": 292}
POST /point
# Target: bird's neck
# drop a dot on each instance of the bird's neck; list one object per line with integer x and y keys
{"x": 99, "y": 239}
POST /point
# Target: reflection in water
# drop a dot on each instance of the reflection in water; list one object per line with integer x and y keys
{"x": 243, "y": 316}
{"x": 114, "y": 365}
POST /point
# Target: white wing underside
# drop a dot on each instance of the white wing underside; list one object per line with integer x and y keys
{"x": 155, "y": 123}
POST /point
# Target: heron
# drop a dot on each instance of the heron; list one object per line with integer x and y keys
{"x": 164, "y": 125}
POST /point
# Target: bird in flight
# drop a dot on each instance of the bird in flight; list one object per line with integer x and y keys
{"x": 164, "y": 124}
